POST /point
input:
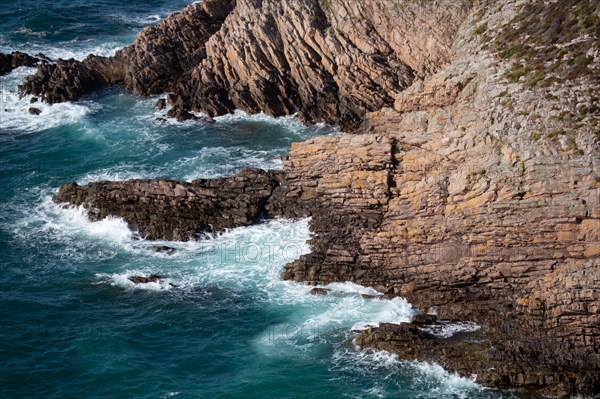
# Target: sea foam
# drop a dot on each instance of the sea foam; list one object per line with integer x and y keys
{"x": 14, "y": 110}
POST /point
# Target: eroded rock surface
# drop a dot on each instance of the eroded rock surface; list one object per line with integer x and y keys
{"x": 171, "y": 210}
{"x": 160, "y": 56}
{"x": 330, "y": 61}
{"x": 17, "y": 59}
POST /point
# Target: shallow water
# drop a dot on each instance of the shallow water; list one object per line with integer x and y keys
{"x": 223, "y": 325}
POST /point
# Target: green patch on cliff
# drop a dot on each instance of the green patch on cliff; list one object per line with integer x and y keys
{"x": 551, "y": 38}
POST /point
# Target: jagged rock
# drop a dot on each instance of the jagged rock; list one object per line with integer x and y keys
{"x": 367, "y": 296}
{"x": 470, "y": 191}
{"x": 424, "y": 318}
{"x": 33, "y": 100}
{"x": 17, "y": 59}
{"x": 159, "y": 56}
{"x": 34, "y": 111}
{"x": 68, "y": 80}
{"x": 467, "y": 354}
{"x": 165, "y": 53}
{"x": 319, "y": 291}
{"x": 458, "y": 200}
{"x": 181, "y": 114}
{"x": 161, "y": 104}
{"x": 172, "y": 210}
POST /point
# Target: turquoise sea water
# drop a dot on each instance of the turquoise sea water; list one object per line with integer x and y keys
{"x": 73, "y": 325}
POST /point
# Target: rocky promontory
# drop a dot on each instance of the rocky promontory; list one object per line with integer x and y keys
{"x": 469, "y": 184}
{"x": 17, "y": 59}
{"x": 172, "y": 210}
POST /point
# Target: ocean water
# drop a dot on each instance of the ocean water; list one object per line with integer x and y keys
{"x": 222, "y": 324}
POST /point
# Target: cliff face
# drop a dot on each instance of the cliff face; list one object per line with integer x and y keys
{"x": 477, "y": 197}
{"x": 331, "y": 61}
{"x": 471, "y": 186}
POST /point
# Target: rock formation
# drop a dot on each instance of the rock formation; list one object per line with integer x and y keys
{"x": 470, "y": 186}
{"x": 171, "y": 210}
{"x": 17, "y": 59}
{"x": 477, "y": 197}
{"x": 330, "y": 61}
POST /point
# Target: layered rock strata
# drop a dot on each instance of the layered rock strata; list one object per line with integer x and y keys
{"x": 477, "y": 197}
{"x": 172, "y": 210}
{"x": 329, "y": 61}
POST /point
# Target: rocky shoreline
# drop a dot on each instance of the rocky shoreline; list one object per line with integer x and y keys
{"x": 469, "y": 184}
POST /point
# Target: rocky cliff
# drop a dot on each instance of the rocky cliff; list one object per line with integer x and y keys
{"x": 477, "y": 197}
{"x": 329, "y": 61}
{"x": 470, "y": 186}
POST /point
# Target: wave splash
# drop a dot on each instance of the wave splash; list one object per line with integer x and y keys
{"x": 14, "y": 109}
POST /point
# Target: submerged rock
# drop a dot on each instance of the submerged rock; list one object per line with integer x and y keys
{"x": 153, "y": 278}
{"x": 161, "y": 103}
{"x": 34, "y": 111}
{"x": 164, "y": 248}
{"x": 319, "y": 291}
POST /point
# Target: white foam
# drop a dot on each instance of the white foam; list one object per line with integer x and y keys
{"x": 76, "y": 49}
{"x": 74, "y": 221}
{"x": 116, "y": 173}
{"x": 206, "y": 164}
{"x": 447, "y": 329}
{"x": 14, "y": 111}
{"x": 443, "y": 383}
{"x": 388, "y": 374}
{"x": 249, "y": 259}
{"x": 28, "y": 32}
{"x": 122, "y": 280}
{"x": 341, "y": 310}
{"x": 291, "y": 122}
{"x": 350, "y": 288}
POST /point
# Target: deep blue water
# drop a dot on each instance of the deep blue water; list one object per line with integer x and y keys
{"x": 73, "y": 325}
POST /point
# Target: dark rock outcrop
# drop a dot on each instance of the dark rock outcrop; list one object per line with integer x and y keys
{"x": 17, "y": 59}
{"x": 68, "y": 80}
{"x": 161, "y": 103}
{"x": 171, "y": 210}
